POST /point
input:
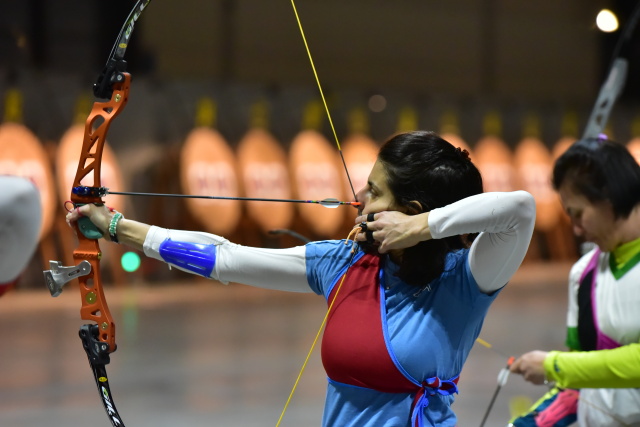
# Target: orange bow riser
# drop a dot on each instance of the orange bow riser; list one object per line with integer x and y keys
{"x": 94, "y": 304}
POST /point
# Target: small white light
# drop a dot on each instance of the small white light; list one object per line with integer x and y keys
{"x": 607, "y": 21}
{"x": 377, "y": 103}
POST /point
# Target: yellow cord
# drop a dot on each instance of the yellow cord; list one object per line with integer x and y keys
{"x": 490, "y": 347}
{"x": 352, "y": 238}
{"x": 484, "y": 343}
{"x": 335, "y": 135}
{"x": 304, "y": 365}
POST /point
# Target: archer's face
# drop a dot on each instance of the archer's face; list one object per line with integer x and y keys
{"x": 595, "y": 222}
{"x": 376, "y": 195}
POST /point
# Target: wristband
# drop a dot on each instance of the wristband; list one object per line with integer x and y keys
{"x": 113, "y": 225}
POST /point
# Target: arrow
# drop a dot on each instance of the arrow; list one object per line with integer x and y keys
{"x": 103, "y": 191}
{"x": 502, "y": 380}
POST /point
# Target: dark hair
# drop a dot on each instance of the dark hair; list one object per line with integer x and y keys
{"x": 423, "y": 167}
{"x": 601, "y": 170}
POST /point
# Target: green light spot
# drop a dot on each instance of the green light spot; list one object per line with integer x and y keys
{"x": 130, "y": 261}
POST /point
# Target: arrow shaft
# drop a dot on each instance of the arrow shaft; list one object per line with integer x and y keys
{"x": 254, "y": 199}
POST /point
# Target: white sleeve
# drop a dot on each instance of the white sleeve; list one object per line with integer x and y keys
{"x": 281, "y": 269}
{"x": 20, "y": 223}
{"x": 505, "y": 222}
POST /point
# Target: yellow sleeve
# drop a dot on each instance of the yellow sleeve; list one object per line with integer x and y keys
{"x": 615, "y": 368}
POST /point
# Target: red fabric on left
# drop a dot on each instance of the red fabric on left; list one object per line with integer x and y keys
{"x": 5, "y": 287}
{"x": 353, "y": 347}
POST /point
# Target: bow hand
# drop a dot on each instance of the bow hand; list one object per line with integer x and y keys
{"x": 92, "y": 220}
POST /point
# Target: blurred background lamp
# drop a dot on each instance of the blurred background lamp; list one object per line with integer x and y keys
{"x": 130, "y": 261}
{"x": 377, "y": 103}
{"x": 607, "y": 21}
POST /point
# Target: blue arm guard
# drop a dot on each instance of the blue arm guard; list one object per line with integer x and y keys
{"x": 194, "y": 257}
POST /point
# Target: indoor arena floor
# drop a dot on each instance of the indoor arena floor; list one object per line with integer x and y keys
{"x": 197, "y": 353}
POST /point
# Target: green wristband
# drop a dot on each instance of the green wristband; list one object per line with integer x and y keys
{"x": 113, "y": 226}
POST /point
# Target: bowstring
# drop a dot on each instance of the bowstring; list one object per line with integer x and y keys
{"x": 313, "y": 345}
{"x": 324, "y": 100}
{"x": 344, "y": 163}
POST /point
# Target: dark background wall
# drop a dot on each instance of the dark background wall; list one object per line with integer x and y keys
{"x": 472, "y": 58}
{"x": 470, "y": 55}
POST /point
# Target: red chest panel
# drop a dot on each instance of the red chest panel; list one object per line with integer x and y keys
{"x": 353, "y": 347}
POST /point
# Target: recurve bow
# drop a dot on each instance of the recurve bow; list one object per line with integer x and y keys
{"x": 98, "y": 338}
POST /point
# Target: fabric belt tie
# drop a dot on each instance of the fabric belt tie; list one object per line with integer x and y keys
{"x": 430, "y": 387}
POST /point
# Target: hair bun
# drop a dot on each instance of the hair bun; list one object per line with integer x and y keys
{"x": 463, "y": 153}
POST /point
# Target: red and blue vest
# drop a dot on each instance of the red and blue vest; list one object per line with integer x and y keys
{"x": 354, "y": 349}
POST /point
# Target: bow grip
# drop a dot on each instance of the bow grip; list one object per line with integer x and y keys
{"x": 87, "y": 228}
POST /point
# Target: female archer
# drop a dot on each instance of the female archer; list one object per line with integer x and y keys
{"x": 407, "y": 297}
{"x": 599, "y": 185}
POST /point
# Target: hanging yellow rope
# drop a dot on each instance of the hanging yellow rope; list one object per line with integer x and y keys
{"x": 313, "y": 345}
